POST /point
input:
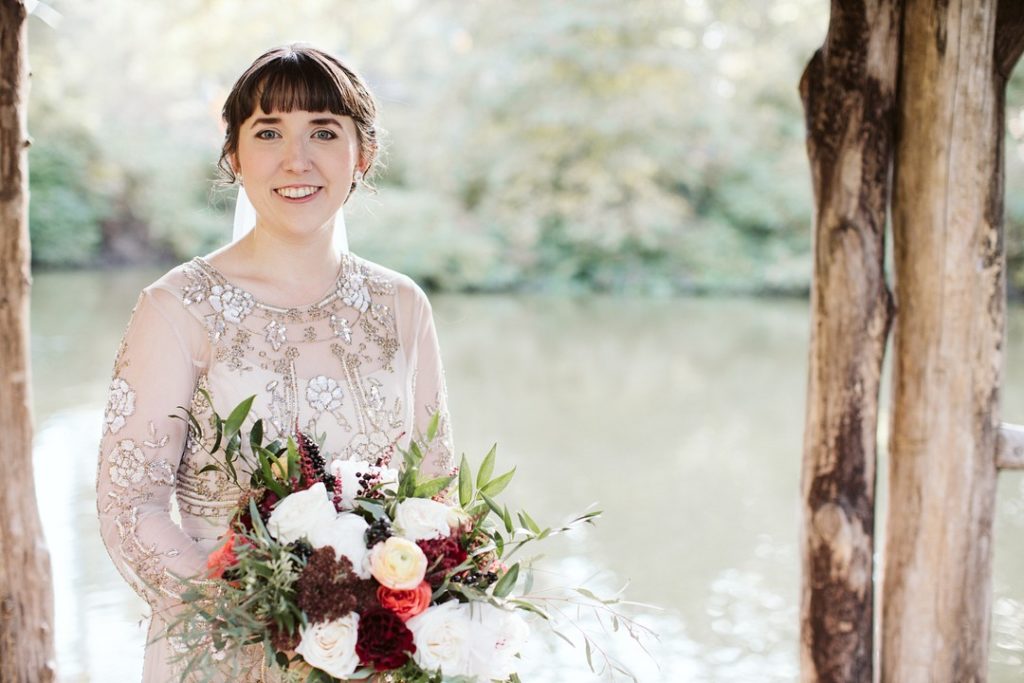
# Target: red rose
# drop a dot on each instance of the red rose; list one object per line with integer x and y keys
{"x": 223, "y": 558}
{"x": 383, "y": 640}
{"x": 405, "y": 604}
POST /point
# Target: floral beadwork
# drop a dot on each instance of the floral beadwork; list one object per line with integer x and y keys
{"x": 231, "y": 302}
{"x": 127, "y": 463}
{"x": 120, "y": 405}
{"x": 195, "y": 289}
{"x": 352, "y": 290}
{"x": 276, "y": 334}
{"x": 368, "y": 447}
{"x": 324, "y": 394}
{"x": 341, "y": 327}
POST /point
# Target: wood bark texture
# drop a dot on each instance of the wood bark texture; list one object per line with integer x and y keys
{"x": 26, "y": 600}
{"x": 949, "y": 334}
{"x": 849, "y": 94}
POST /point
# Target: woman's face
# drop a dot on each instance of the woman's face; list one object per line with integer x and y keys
{"x": 297, "y": 168}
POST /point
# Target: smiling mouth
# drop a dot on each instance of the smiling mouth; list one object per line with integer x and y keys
{"x": 298, "y": 192}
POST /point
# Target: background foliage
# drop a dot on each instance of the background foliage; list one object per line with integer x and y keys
{"x": 653, "y": 147}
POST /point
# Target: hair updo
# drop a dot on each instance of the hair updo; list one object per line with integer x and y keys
{"x": 299, "y": 76}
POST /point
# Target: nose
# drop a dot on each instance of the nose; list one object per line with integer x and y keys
{"x": 296, "y": 157}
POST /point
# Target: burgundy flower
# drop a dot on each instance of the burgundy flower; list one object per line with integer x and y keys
{"x": 442, "y": 555}
{"x": 327, "y": 588}
{"x": 384, "y": 642}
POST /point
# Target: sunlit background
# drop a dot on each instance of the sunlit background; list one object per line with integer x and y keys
{"x": 610, "y": 204}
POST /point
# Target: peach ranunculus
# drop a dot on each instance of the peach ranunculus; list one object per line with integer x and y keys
{"x": 223, "y": 558}
{"x": 398, "y": 563}
{"x": 405, "y": 604}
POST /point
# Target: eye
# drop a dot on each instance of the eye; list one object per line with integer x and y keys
{"x": 262, "y": 134}
{"x": 330, "y": 134}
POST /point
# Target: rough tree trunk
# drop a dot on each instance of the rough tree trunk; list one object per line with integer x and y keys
{"x": 848, "y": 91}
{"x": 26, "y": 601}
{"x": 950, "y": 288}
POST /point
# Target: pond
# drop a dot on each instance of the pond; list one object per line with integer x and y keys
{"x": 682, "y": 419}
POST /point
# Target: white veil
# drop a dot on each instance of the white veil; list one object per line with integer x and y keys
{"x": 245, "y": 220}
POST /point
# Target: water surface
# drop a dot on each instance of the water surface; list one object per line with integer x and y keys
{"x": 681, "y": 418}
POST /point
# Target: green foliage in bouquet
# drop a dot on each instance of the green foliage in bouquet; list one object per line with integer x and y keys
{"x": 253, "y": 592}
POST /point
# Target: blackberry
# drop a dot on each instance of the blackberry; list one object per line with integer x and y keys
{"x": 302, "y": 550}
{"x": 379, "y": 531}
{"x": 475, "y": 578}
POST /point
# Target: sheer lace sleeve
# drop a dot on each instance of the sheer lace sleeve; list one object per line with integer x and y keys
{"x": 154, "y": 372}
{"x": 429, "y": 392}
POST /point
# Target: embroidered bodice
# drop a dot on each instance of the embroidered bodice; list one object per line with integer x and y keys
{"x": 360, "y": 367}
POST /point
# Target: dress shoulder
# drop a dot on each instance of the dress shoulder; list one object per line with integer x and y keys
{"x": 404, "y": 285}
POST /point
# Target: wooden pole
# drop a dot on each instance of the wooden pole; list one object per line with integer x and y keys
{"x": 949, "y": 335}
{"x": 848, "y": 91}
{"x": 26, "y": 599}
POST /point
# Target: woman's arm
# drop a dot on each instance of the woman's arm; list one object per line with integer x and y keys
{"x": 430, "y": 395}
{"x": 141, "y": 447}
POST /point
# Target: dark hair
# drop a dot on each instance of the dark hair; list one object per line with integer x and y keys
{"x": 299, "y": 76}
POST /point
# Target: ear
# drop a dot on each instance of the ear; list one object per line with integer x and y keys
{"x": 233, "y": 160}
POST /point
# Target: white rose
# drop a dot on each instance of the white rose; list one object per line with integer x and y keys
{"x": 345, "y": 534}
{"x": 300, "y": 513}
{"x": 442, "y": 635}
{"x": 388, "y": 478}
{"x": 331, "y": 645}
{"x": 422, "y": 518}
{"x": 457, "y": 517}
{"x": 351, "y": 471}
{"x": 498, "y": 635}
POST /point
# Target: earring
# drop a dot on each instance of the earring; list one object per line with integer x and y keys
{"x": 239, "y": 176}
{"x": 358, "y": 177}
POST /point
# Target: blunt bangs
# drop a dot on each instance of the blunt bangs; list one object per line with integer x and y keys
{"x": 294, "y": 81}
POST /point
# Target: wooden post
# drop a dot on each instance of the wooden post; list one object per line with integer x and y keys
{"x": 949, "y": 335}
{"x": 848, "y": 91}
{"x": 26, "y": 598}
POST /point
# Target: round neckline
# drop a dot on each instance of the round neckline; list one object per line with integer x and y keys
{"x": 331, "y": 292}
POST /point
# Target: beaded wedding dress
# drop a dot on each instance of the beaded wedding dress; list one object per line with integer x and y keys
{"x": 360, "y": 365}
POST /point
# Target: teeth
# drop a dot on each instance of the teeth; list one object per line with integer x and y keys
{"x": 297, "y": 192}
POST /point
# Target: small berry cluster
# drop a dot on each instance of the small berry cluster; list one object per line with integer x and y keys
{"x": 379, "y": 530}
{"x": 475, "y": 578}
{"x": 302, "y": 550}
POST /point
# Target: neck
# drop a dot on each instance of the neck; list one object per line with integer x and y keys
{"x": 317, "y": 257}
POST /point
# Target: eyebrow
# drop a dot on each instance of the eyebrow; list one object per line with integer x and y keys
{"x": 272, "y": 120}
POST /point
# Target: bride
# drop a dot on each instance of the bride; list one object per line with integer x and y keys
{"x": 325, "y": 339}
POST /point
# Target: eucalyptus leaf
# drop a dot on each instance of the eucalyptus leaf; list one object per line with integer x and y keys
{"x": 483, "y": 475}
{"x": 238, "y": 415}
{"x": 256, "y": 434}
{"x": 506, "y": 517}
{"x": 528, "y": 522}
{"x": 430, "y": 488}
{"x": 417, "y": 454}
{"x": 432, "y": 426}
{"x": 507, "y": 582}
{"x": 530, "y": 607}
{"x": 465, "y": 483}
{"x": 496, "y": 486}
{"x": 493, "y": 505}
{"x": 499, "y": 544}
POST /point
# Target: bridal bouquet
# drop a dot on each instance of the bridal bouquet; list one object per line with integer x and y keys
{"x": 344, "y": 570}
